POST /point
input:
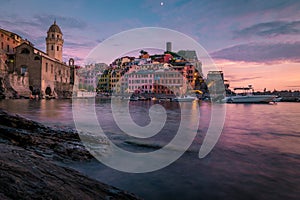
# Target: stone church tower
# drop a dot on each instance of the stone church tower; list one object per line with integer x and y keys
{"x": 54, "y": 42}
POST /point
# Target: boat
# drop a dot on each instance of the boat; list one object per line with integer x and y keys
{"x": 84, "y": 94}
{"x": 142, "y": 98}
{"x": 277, "y": 99}
{"x": 133, "y": 98}
{"x": 103, "y": 96}
{"x": 186, "y": 98}
{"x": 248, "y": 96}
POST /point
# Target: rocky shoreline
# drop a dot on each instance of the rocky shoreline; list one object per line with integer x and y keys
{"x": 29, "y": 152}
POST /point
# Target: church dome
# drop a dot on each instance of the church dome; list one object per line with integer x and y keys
{"x": 54, "y": 28}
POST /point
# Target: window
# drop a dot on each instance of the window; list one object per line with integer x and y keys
{"x": 57, "y": 48}
{"x": 46, "y": 67}
{"x": 52, "y": 35}
{"x": 51, "y": 69}
{"x": 52, "y": 47}
{"x": 7, "y": 47}
{"x": 57, "y": 36}
{"x": 2, "y": 35}
{"x": 23, "y": 70}
{"x": 36, "y": 58}
{"x": 25, "y": 51}
{"x": 2, "y": 45}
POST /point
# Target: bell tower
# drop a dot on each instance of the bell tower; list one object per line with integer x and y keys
{"x": 54, "y": 42}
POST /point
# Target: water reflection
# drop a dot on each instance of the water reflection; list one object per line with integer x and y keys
{"x": 259, "y": 146}
{"x": 52, "y": 112}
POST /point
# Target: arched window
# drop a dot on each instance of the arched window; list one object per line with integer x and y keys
{"x": 23, "y": 70}
{"x": 25, "y": 51}
{"x": 46, "y": 67}
{"x": 52, "y": 47}
{"x": 71, "y": 62}
{"x": 52, "y": 35}
{"x": 48, "y": 91}
{"x": 37, "y": 58}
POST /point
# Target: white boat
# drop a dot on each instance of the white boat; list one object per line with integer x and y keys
{"x": 186, "y": 98}
{"x": 248, "y": 97}
{"x": 277, "y": 99}
{"x": 84, "y": 94}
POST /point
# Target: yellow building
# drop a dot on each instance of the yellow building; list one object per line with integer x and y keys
{"x": 104, "y": 84}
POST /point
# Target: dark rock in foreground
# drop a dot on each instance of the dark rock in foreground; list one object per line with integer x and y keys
{"x": 58, "y": 144}
{"x": 25, "y": 175}
{"x": 27, "y": 170}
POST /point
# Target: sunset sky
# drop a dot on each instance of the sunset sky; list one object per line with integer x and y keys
{"x": 253, "y": 42}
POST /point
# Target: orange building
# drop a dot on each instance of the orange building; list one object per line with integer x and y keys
{"x": 9, "y": 41}
{"x": 47, "y": 73}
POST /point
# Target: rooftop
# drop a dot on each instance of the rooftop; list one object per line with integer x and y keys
{"x": 54, "y": 28}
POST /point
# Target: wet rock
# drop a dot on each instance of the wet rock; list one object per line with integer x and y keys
{"x": 62, "y": 145}
{"x": 28, "y": 153}
{"x": 26, "y": 175}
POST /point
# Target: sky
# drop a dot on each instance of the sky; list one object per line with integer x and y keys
{"x": 252, "y": 41}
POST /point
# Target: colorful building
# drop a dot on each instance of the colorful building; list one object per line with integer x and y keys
{"x": 140, "y": 81}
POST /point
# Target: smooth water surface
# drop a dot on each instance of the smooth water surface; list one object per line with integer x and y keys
{"x": 256, "y": 157}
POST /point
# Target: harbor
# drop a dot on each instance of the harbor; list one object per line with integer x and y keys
{"x": 153, "y": 100}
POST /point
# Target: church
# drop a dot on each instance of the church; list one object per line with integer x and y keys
{"x": 44, "y": 74}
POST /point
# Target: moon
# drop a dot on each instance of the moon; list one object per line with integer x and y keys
{"x": 161, "y": 3}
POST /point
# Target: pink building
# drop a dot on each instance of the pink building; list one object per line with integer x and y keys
{"x": 162, "y": 81}
{"x": 141, "y": 81}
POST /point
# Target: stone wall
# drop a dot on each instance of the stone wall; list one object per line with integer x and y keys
{"x": 20, "y": 84}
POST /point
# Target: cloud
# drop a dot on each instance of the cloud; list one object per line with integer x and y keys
{"x": 270, "y": 29}
{"x": 77, "y": 59}
{"x": 259, "y": 52}
{"x": 63, "y": 21}
{"x": 39, "y": 24}
{"x": 293, "y": 86}
{"x": 79, "y": 44}
{"x": 237, "y": 78}
{"x": 245, "y": 79}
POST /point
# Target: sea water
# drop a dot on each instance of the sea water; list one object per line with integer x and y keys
{"x": 256, "y": 157}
